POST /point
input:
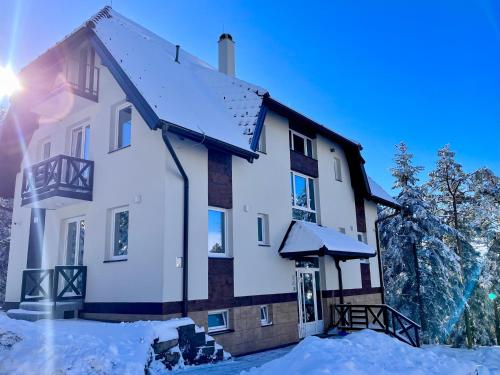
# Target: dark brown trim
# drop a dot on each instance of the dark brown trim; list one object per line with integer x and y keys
{"x": 9, "y": 305}
{"x": 159, "y": 308}
{"x": 366, "y": 280}
{"x": 303, "y": 164}
{"x": 360, "y": 212}
{"x": 350, "y": 292}
{"x": 220, "y": 179}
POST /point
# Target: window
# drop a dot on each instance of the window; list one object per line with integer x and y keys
{"x": 45, "y": 150}
{"x": 261, "y": 146}
{"x": 262, "y": 229}
{"x": 303, "y": 198}
{"x": 342, "y": 230}
{"x": 119, "y": 232}
{"x": 123, "y": 128}
{"x": 80, "y": 137}
{"x": 362, "y": 237}
{"x": 218, "y": 320}
{"x": 300, "y": 143}
{"x": 338, "y": 169}
{"x": 217, "y": 232}
{"x": 265, "y": 319}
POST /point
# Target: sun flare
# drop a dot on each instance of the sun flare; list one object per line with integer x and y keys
{"x": 9, "y": 84}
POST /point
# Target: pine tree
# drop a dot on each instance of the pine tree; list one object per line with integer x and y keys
{"x": 422, "y": 275}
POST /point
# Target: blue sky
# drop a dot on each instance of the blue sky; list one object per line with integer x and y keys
{"x": 379, "y": 72}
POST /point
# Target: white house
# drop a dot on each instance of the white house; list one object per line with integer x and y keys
{"x": 160, "y": 186}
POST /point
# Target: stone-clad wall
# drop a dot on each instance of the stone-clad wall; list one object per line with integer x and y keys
{"x": 247, "y": 335}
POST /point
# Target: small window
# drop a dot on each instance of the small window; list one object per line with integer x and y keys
{"x": 362, "y": 237}
{"x": 261, "y": 146}
{"x": 338, "y": 169}
{"x": 300, "y": 143}
{"x": 218, "y": 320}
{"x": 265, "y": 319}
{"x": 45, "y": 150}
{"x": 262, "y": 229}
{"x": 342, "y": 230}
{"x": 123, "y": 127}
{"x": 119, "y": 232}
{"x": 217, "y": 225}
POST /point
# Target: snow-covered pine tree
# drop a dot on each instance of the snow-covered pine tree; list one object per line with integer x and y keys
{"x": 412, "y": 246}
{"x": 466, "y": 202}
{"x": 5, "y": 225}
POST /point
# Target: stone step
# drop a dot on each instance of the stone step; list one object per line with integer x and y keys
{"x": 49, "y": 305}
{"x": 33, "y": 316}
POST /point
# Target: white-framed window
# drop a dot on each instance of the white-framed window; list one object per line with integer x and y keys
{"x": 300, "y": 143}
{"x": 342, "y": 230}
{"x": 362, "y": 237}
{"x": 45, "y": 148}
{"x": 218, "y": 320}
{"x": 265, "y": 318}
{"x": 119, "y": 233}
{"x": 303, "y": 197}
{"x": 80, "y": 142}
{"x": 263, "y": 229}
{"x": 261, "y": 146}
{"x": 217, "y": 232}
{"x": 337, "y": 165}
{"x": 122, "y": 127}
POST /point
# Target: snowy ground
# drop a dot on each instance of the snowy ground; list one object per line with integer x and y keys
{"x": 76, "y": 347}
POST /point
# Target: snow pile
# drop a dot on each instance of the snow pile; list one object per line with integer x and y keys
{"x": 80, "y": 347}
{"x": 368, "y": 352}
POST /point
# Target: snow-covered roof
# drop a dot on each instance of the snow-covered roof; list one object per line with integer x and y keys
{"x": 191, "y": 93}
{"x": 305, "y": 238}
{"x": 378, "y": 191}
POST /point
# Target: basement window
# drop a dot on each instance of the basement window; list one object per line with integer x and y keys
{"x": 218, "y": 320}
{"x": 265, "y": 318}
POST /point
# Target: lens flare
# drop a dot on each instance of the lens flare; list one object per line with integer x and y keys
{"x": 9, "y": 84}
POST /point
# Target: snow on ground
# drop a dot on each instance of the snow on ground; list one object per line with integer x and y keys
{"x": 368, "y": 352}
{"x": 79, "y": 347}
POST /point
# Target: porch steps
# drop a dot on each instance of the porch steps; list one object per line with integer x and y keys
{"x": 33, "y": 311}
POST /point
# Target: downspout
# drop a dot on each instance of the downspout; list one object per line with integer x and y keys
{"x": 379, "y": 257}
{"x": 185, "y": 231}
{"x": 339, "y": 274}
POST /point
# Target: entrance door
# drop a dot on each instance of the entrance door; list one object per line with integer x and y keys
{"x": 74, "y": 241}
{"x": 309, "y": 299}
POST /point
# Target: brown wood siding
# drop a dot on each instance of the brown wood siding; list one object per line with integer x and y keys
{"x": 220, "y": 181}
{"x": 366, "y": 280}
{"x": 303, "y": 164}
{"x": 221, "y": 281}
{"x": 360, "y": 212}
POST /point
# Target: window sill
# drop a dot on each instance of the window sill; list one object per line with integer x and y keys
{"x": 221, "y": 332}
{"x": 115, "y": 260}
{"x": 221, "y": 256}
{"x": 264, "y": 245}
{"x": 266, "y": 324}
{"x": 118, "y": 149}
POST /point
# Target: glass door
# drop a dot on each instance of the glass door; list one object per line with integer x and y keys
{"x": 80, "y": 142}
{"x": 74, "y": 242}
{"x": 309, "y": 300}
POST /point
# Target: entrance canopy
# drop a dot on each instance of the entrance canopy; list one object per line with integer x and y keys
{"x": 303, "y": 239}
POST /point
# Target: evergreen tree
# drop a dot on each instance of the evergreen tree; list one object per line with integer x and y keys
{"x": 422, "y": 275}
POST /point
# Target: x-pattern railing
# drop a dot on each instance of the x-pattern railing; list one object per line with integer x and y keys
{"x": 382, "y": 318}
{"x": 59, "y": 175}
{"x": 62, "y": 283}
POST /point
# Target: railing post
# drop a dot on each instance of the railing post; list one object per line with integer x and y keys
{"x": 23, "y": 287}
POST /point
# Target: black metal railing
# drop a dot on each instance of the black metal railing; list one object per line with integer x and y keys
{"x": 60, "y": 175}
{"x": 381, "y": 318}
{"x": 63, "y": 283}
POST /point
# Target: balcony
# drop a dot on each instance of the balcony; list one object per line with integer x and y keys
{"x": 75, "y": 87}
{"x": 59, "y": 181}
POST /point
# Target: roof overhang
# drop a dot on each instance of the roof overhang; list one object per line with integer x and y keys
{"x": 306, "y": 239}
